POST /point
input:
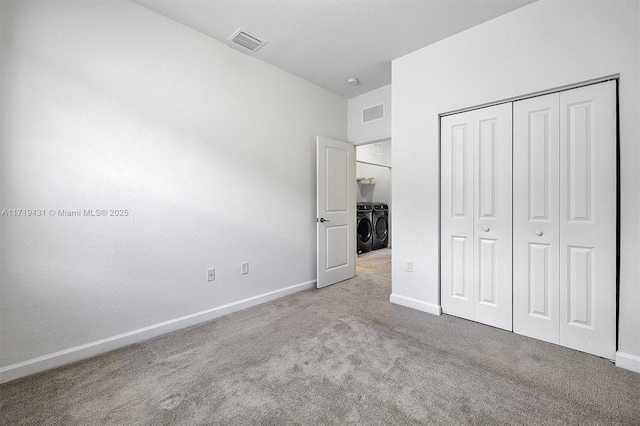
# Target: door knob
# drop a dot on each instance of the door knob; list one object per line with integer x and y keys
{"x": 539, "y": 233}
{"x": 323, "y": 220}
{"x": 487, "y": 229}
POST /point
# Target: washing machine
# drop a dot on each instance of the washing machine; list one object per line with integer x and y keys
{"x": 364, "y": 227}
{"x": 380, "y": 221}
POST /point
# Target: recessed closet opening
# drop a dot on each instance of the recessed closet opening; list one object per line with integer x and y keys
{"x": 529, "y": 216}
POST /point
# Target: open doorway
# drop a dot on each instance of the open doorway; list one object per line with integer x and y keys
{"x": 373, "y": 194}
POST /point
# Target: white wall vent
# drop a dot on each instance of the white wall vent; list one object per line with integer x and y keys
{"x": 246, "y": 40}
{"x": 374, "y": 113}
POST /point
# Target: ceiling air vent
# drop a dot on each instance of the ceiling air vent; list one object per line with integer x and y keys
{"x": 246, "y": 40}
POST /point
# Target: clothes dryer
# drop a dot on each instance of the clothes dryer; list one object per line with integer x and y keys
{"x": 380, "y": 221}
{"x": 364, "y": 227}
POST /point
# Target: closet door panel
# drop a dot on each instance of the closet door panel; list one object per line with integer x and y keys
{"x": 492, "y": 278}
{"x": 588, "y": 219}
{"x": 536, "y": 212}
{"x": 457, "y": 215}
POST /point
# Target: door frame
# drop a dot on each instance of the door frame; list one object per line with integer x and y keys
{"x": 371, "y": 142}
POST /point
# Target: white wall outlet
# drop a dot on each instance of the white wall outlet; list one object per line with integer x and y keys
{"x": 211, "y": 274}
{"x": 244, "y": 268}
{"x": 409, "y": 265}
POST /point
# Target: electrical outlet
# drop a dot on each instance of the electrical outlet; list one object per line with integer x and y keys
{"x": 409, "y": 265}
{"x": 244, "y": 268}
{"x": 211, "y": 274}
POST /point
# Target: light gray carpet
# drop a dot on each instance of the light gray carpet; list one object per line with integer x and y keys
{"x": 339, "y": 355}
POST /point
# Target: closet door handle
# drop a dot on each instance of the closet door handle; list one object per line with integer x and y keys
{"x": 487, "y": 229}
{"x": 539, "y": 233}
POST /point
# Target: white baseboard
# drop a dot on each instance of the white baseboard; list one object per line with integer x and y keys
{"x": 77, "y": 353}
{"x": 628, "y": 361}
{"x": 420, "y": 305}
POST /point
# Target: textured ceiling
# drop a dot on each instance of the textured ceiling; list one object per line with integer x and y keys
{"x": 328, "y": 41}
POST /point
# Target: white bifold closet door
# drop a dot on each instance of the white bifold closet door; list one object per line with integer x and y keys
{"x": 564, "y": 218}
{"x": 536, "y": 217}
{"x": 476, "y": 203}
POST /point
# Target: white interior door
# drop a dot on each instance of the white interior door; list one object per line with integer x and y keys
{"x": 565, "y": 216}
{"x": 456, "y": 167}
{"x": 588, "y": 213}
{"x": 336, "y": 211}
{"x": 476, "y": 215}
{"x": 492, "y": 277}
{"x": 536, "y": 211}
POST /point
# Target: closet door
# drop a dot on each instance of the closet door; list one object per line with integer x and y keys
{"x": 588, "y": 219}
{"x": 536, "y": 210}
{"x": 564, "y": 249}
{"x": 476, "y": 221}
{"x": 492, "y": 272}
{"x": 456, "y": 166}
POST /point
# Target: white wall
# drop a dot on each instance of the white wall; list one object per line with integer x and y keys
{"x": 375, "y": 130}
{"x": 541, "y": 46}
{"x": 380, "y": 190}
{"x": 367, "y": 153}
{"x": 107, "y": 105}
